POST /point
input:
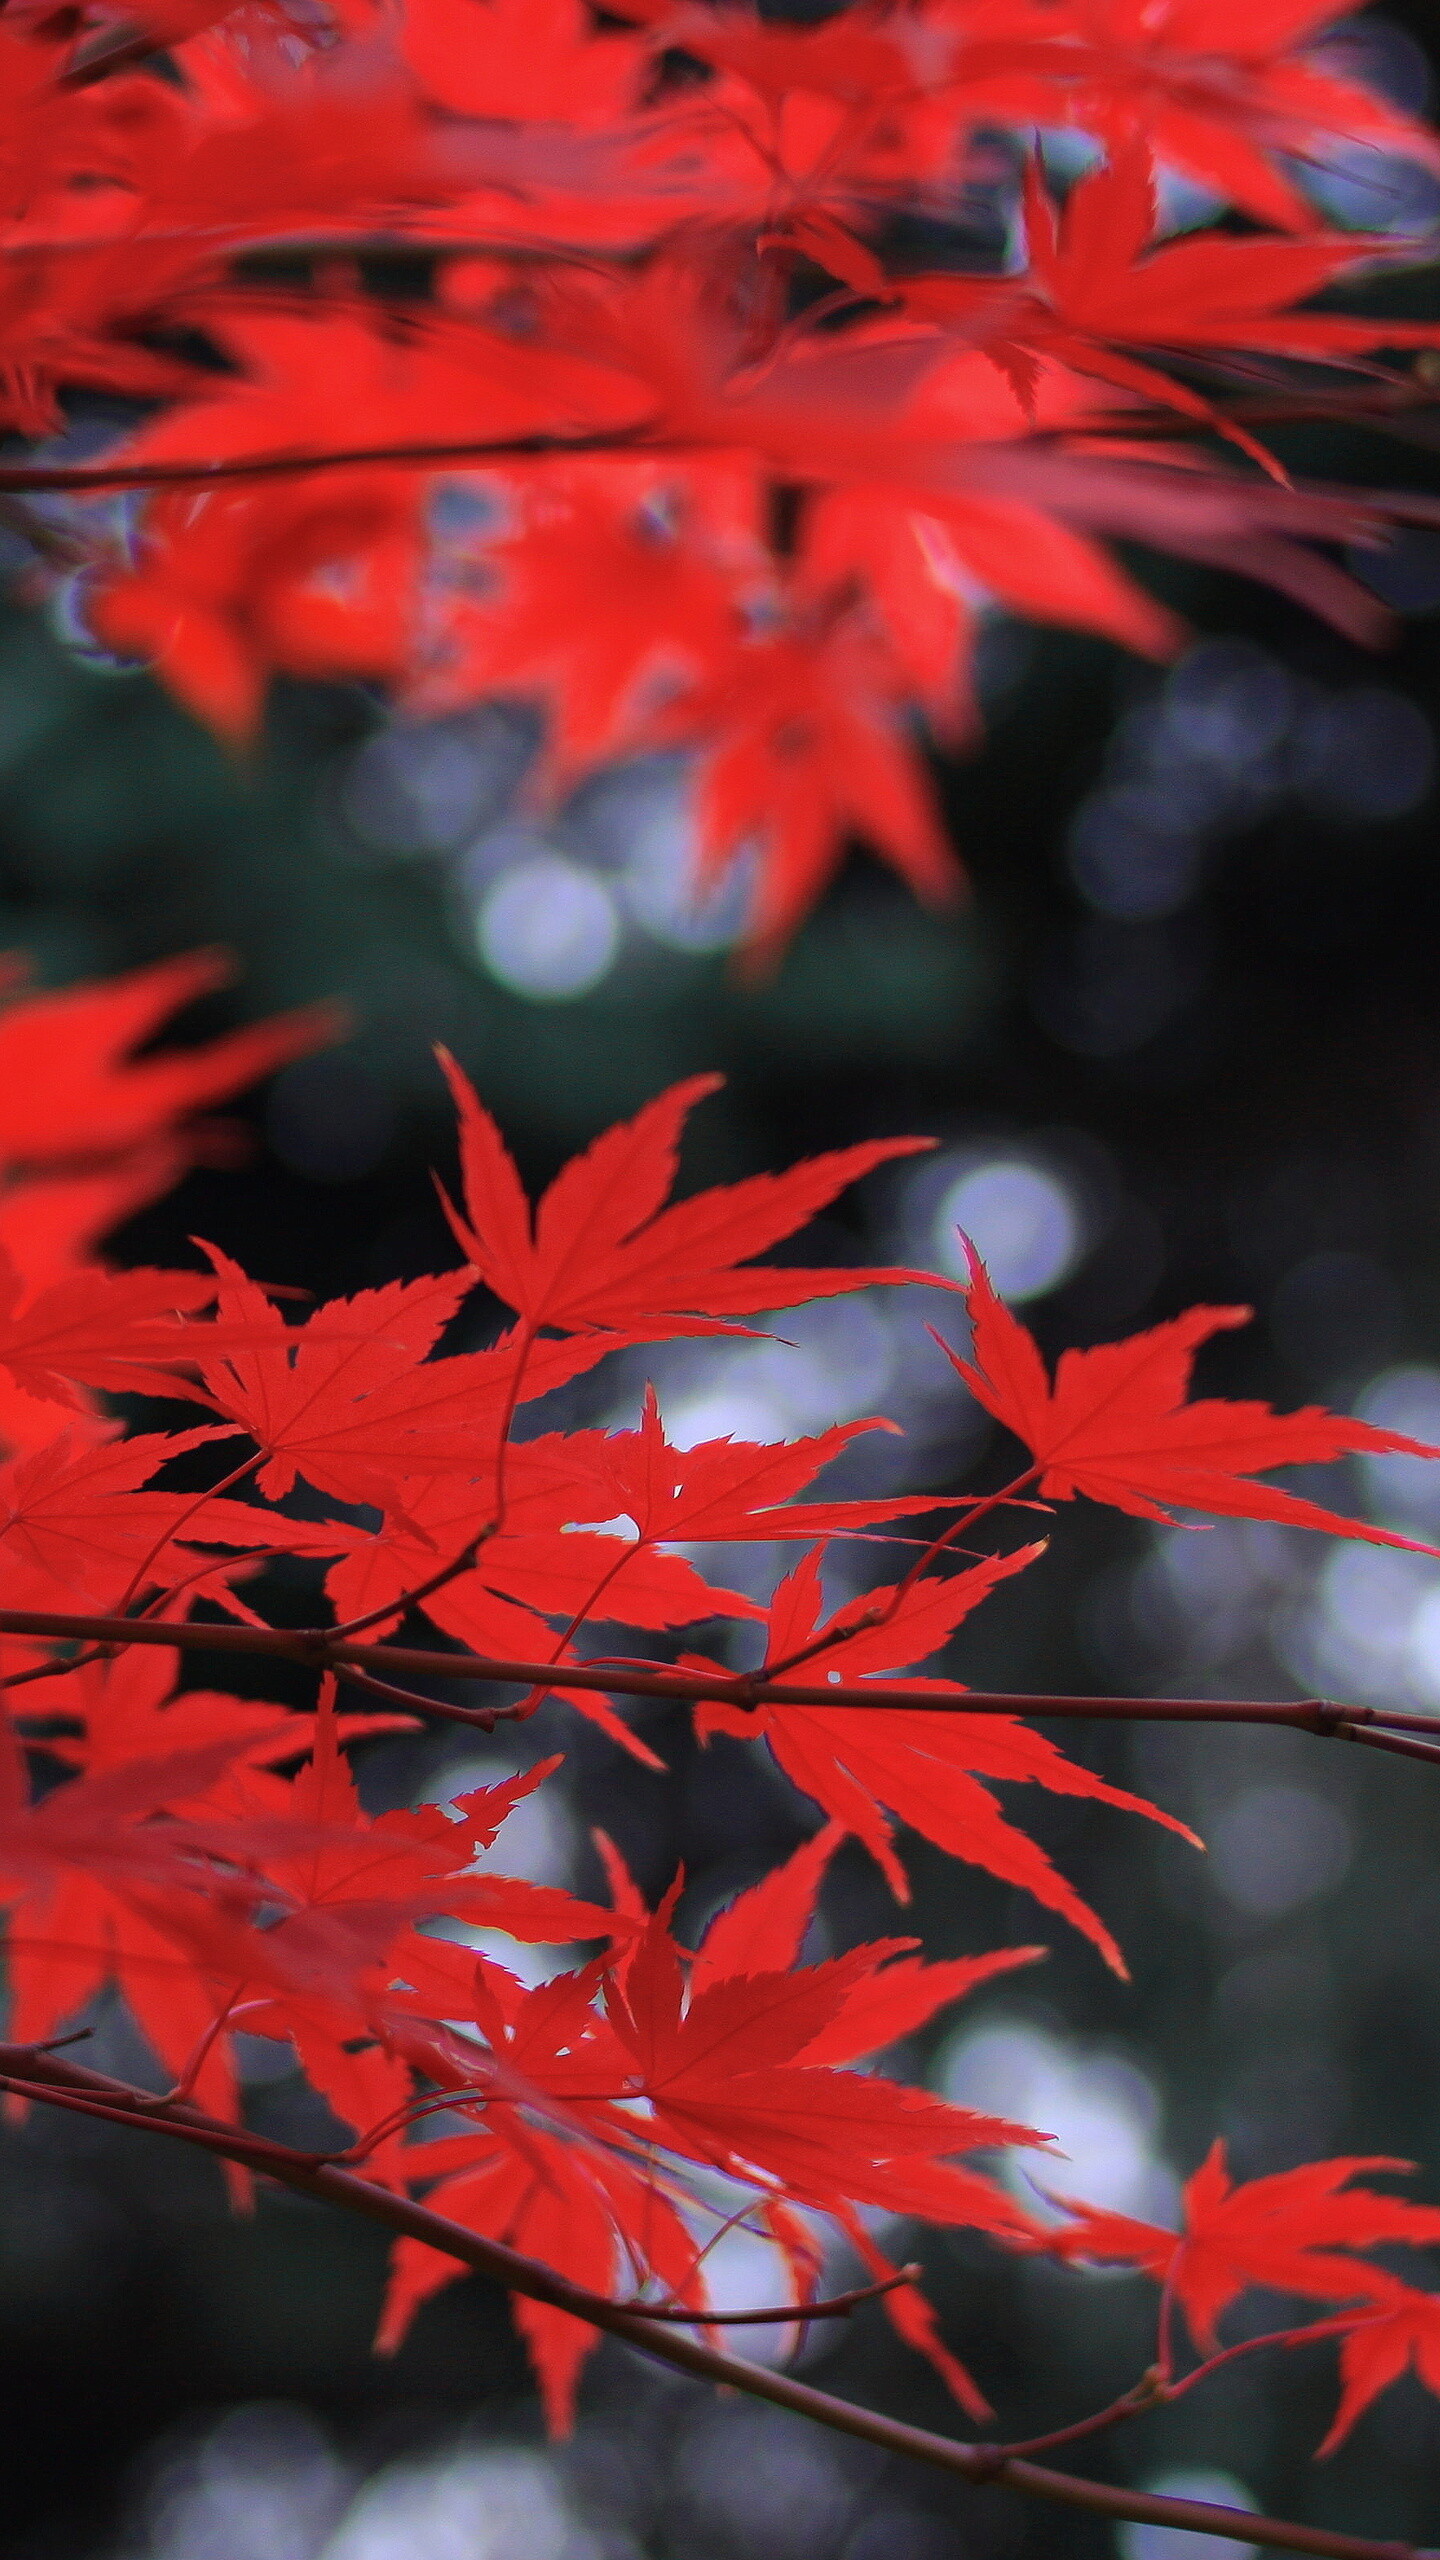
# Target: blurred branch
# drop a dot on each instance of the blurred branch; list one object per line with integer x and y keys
{"x": 1383, "y": 405}
{"x": 89, "y": 479}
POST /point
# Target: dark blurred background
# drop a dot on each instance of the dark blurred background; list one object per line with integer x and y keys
{"x": 1184, "y": 1042}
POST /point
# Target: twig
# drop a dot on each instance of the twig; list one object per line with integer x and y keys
{"x": 485, "y": 1717}
{"x": 794, "y": 2315}
{"x": 1155, "y": 2389}
{"x": 1150, "y": 2392}
{"x": 57, "y": 2083}
{"x": 81, "y": 479}
{"x": 1382, "y": 1738}
{"x": 404, "y": 1600}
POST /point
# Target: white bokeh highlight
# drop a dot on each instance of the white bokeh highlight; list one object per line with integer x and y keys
{"x": 1022, "y": 1218}
{"x": 1173, "y": 2542}
{"x": 1101, "y": 2108}
{"x": 547, "y": 928}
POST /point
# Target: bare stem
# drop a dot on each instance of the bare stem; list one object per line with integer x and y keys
{"x": 794, "y": 2315}
{"x": 319, "y": 1649}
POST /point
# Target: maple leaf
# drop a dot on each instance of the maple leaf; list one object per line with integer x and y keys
{"x": 348, "y": 1399}
{"x": 230, "y": 584}
{"x": 76, "y": 1529}
{"x": 620, "y": 591}
{"x": 644, "y": 1497}
{"x": 227, "y": 588}
{"x": 1102, "y": 276}
{"x": 571, "y": 2198}
{"x": 350, "y": 1893}
{"x": 1116, "y": 1426}
{"x": 92, "y": 1933}
{"x": 763, "y": 1929}
{"x": 574, "y": 2213}
{"x": 728, "y": 2074}
{"x": 499, "y": 1606}
{"x": 530, "y": 60}
{"x": 1250, "y": 527}
{"x": 922, "y": 560}
{"x": 1290, "y": 2232}
{"x": 70, "y": 1086}
{"x": 1221, "y": 89}
{"x": 603, "y": 1251}
{"x": 131, "y": 1709}
{"x": 1098, "y": 286}
{"x": 810, "y": 749}
{"x": 926, "y": 1769}
{"x": 745, "y": 2022}
{"x": 101, "y": 1823}
{"x": 101, "y": 1328}
{"x": 1398, "y": 2330}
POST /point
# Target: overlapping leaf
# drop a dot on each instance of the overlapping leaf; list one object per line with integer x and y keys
{"x": 925, "y": 1769}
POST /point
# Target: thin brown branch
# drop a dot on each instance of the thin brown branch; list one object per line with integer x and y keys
{"x": 320, "y": 1650}
{"x": 1150, "y": 2392}
{"x": 93, "y": 479}
{"x": 394, "y": 1696}
{"x": 1358, "y": 407}
{"x": 1381, "y": 1738}
{"x": 1156, "y": 2390}
{"x": 45, "y": 2076}
{"x": 794, "y": 2315}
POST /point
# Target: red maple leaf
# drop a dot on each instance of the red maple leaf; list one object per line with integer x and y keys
{"x": 349, "y": 1400}
{"x": 76, "y": 1530}
{"x": 1116, "y": 1424}
{"x": 525, "y": 60}
{"x": 924, "y": 1768}
{"x": 575, "y": 2198}
{"x": 71, "y": 1087}
{"x": 92, "y": 1933}
{"x": 811, "y": 749}
{"x": 1222, "y": 89}
{"x": 1398, "y": 2330}
{"x": 746, "y": 2015}
{"x": 1290, "y": 2233}
{"x": 603, "y": 1251}
{"x": 924, "y": 557}
{"x": 620, "y": 592}
{"x": 1098, "y": 286}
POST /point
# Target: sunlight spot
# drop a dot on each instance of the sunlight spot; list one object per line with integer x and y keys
{"x": 1169, "y": 2542}
{"x": 548, "y": 929}
{"x": 1022, "y": 1220}
{"x": 1275, "y": 1848}
{"x": 1102, "y": 2109}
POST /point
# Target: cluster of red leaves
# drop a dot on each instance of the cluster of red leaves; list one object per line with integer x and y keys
{"x": 624, "y": 279}
{"x": 207, "y": 1856}
{"x": 1296, "y": 2233}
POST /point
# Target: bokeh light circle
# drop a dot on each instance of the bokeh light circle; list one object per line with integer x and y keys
{"x": 1022, "y": 1219}
{"x": 548, "y": 928}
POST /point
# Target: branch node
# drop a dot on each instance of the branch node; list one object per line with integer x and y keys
{"x": 1336, "y": 1723}
{"x": 986, "y": 2462}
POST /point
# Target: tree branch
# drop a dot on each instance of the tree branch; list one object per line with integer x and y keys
{"x": 320, "y": 1650}
{"x": 46, "y": 2076}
